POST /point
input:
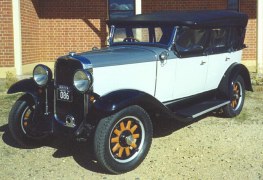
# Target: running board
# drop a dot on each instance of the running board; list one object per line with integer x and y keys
{"x": 200, "y": 109}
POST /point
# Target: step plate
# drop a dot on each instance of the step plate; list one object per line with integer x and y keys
{"x": 201, "y": 108}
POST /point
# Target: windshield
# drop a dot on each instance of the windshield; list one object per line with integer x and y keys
{"x": 159, "y": 36}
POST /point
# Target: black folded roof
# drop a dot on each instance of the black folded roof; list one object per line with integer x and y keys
{"x": 208, "y": 18}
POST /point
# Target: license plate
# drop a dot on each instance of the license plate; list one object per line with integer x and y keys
{"x": 64, "y": 94}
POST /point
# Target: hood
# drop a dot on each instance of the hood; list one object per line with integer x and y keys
{"x": 117, "y": 55}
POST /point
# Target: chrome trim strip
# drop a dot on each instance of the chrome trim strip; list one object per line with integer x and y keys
{"x": 173, "y": 101}
{"x": 210, "y": 109}
{"x": 173, "y": 40}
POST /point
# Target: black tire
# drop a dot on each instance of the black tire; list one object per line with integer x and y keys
{"x": 21, "y": 123}
{"x": 123, "y": 140}
{"x": 237, "y": 98}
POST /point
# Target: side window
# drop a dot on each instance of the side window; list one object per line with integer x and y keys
{"x": 236, "y": 38}
{"x": 191, "y": 41}
{"x": 158, "y": 34}
{"x": 121, "y": 8}
{"x": 141, "y": 34}
{"x": 233, "y": 5}
{"x": 219, "y": 40}
{"x": 119, "y": 35}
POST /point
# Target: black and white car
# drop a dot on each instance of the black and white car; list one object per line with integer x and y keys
{"x": 179, "y": 64}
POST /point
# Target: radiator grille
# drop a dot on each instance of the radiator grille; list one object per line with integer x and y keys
{"x": 64, "y": 72}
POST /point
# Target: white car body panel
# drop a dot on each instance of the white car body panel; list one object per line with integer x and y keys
{"x": 165, "y": 79}
{"x": 217, "y": 66}
{"x": 174, "y": 74}
{"x": 190, "y": 76}
{"x": 139, "y": 76}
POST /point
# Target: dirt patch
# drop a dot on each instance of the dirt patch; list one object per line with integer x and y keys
{"x": 211, "y": 148}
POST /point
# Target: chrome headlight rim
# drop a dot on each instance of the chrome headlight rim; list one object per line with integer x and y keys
{"x": 42, "y": 75}
{"x": 87, "y": 76}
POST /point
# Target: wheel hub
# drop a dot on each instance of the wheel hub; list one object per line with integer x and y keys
{"x": 123, "y": 138}
{"x": 129, "y": 140}
{"x": 235, "y": 96}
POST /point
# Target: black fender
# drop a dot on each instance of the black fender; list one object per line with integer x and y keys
{"x": 25, "y": 85}
{"x": 117, "y": 100}
{"x": 31, "y": 90}
{"x": 232, "y": 72}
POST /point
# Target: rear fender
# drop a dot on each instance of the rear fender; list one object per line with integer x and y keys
{"x": 232, "y": 72}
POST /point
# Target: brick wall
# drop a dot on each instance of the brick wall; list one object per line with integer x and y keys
{"x": 6, "y": 34}
{"x": 157, "y": 5}
{"x": 250, "y": 7}
{"x": 52, "y": 28}
{"x": 71, "y": 25}
{"x": 30, "y": 31}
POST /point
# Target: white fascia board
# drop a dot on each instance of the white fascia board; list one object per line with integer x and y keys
{"x": 138, "y": 8}
{"x": 17, "y": 37}
{"x": 260, "y": 37}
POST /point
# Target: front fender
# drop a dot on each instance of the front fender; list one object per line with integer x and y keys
{"x": 120, "y": 99}
{"x": 38, "y": 95}
{"x": 25, "y": 85}
{"x": 28, "y": 86}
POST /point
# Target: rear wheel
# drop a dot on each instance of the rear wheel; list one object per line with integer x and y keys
{"x": 22, "y": 125}
{"x": 237, "y": 98}
{"x": 123, "y": 140}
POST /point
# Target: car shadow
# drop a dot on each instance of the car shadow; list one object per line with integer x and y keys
{"x": 7, "y": 137}
{"x": 83, "y": 153}
{"x": 165, "y": 126}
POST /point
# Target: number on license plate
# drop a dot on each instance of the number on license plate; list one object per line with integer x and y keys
{"x": 64, "y": 95}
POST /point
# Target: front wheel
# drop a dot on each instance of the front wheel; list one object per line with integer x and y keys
{"x": 123, "y": 140}
{"x": 237, "y": 98}
{"x": 22, "y": 125}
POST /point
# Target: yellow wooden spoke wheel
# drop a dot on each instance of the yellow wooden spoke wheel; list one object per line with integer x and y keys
{"x": 237, "y": 97}
{"x": 127, "y": 136}
{"x": 123, "y": 139}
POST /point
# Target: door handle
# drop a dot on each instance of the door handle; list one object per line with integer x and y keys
{"x": 202, "y": 63}
{"x": 227, "y": 59}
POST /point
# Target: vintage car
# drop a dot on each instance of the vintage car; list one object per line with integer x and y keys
{"x": 177, "y": 64}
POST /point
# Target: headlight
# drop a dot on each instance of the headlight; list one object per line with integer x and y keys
{"x": 82, "y": 80}
{"x": 42, "y": 74}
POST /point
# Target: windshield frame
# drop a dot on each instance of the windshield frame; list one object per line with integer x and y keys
{"x": 155, "y": 44}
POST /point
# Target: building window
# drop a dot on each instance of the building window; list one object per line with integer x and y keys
{"x": 121, "y": 8}
{"x": 233, "y": 5}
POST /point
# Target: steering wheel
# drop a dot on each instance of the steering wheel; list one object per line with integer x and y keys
{"x": 130, "y": 39}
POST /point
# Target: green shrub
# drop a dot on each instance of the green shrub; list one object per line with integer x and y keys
{"x": 10, "y": 79}
{"x": 256, "y": 79}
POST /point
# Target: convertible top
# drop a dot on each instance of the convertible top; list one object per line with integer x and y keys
{"x": 207, "y": 18}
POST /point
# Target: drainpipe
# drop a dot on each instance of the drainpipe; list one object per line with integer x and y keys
{"x": 259, "y": 37}
{"x": 17, "y": 37}
{"x": 138, "y": 8}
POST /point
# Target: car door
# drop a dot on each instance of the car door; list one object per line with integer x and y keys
{"x": 184, "y": 74}
{"x": 219, "y": 58}
{"x": 180, "y": 77}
